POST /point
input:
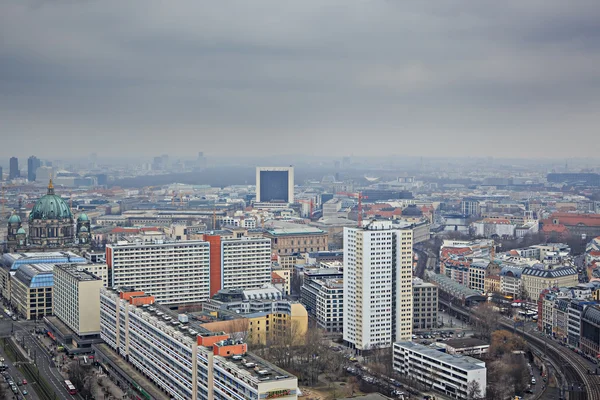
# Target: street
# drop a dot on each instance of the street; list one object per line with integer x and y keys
{"x": 22, "y": 331}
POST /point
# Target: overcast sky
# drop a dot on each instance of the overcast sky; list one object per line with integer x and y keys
{"x": 500, "y": 78}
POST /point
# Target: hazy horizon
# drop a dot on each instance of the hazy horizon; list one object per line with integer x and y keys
{"x": 329, "y": 78}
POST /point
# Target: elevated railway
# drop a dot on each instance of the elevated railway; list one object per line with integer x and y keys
{"x": 577, "y": 382}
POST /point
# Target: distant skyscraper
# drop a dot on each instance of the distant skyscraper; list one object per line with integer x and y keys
{"x": 33, "y": 163}
{"x": 1, "y": 176}
{"x": 14, "y": 168}
{"x": 201, "y": 160}
{"x": 275, "y": 184}
{"x": 378, "y": 294}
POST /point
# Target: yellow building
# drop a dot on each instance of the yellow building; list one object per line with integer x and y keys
{"x": 535, "y": 280}
{"x": 262, "y": 328}
{"x": 31, "y": 290}
{"x": 492, "y": 284}
{"x": 77, "y": 299}
{"x": 287, "y": 276}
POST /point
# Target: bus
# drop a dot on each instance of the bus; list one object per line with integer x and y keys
{"x": 70, "y": 388}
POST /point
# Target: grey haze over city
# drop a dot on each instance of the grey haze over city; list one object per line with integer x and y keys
{"x": 445, "y": 78}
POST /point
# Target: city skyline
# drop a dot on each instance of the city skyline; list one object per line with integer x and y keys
{"x": 331, "y": 78}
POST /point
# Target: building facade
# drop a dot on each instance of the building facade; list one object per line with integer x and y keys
{"x": 184, "y": 360}
{"x": 324, "y": 301}
{"x": 275, "y": 184}
{"x": 537, "y": 279}
{"x": 77, "y": 299}
{"x": 245, "y": 263}
{"x": 449, "y": 374}
{"x": 174, "y": 273}
{"x": 31, "y": 290}
{"x": 425, "y": 305}
{"x": 378, "y": 295}
{"x": 288, "y": 241}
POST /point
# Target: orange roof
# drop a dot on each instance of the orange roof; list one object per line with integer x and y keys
{"x": 594, "y": 253}
{"x": 276, "y": 278}
{"x": 514, "y": 253}
{"x": 120, "y": 229}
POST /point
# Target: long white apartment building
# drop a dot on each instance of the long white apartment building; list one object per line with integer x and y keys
{"x": 245, "y": 263}
{"x": 378, "y": 294}
{"x": 182, "y": 359}
{"x": 172, "y": 272}
{"x": 449, "y": 374}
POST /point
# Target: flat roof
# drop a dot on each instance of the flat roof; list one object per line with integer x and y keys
{"x": 466, "y": 342}
{"x": 300, "y": 230}
{"x": 462, "y": 362}
{"x": 79, "y": 275}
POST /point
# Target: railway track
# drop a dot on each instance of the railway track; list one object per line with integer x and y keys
{"x": 579, "y": 384}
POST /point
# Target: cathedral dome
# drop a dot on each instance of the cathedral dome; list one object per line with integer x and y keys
{"x": 14, "y": 219}
{"x": 21, "y": 231}
{"x": 50, "y": 207}
{"x": 83, "y": 217}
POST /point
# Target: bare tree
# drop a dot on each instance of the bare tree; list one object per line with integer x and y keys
{"x": 473, "y": 390}
{"x": 238, "y": 329}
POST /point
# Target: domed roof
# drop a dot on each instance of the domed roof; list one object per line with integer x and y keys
{"x": 83, "y": 217}
{"x": 83, "y": 229}
{"x": 50, "y": 206}
{"x": 21, "y": 231}
{"x": 14, "y": 219}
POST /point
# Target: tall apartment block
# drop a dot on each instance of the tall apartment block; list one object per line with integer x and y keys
{"x": 182, "y": 359}
{"x": 378, "y": 305}
{"x": 176, "y": 272}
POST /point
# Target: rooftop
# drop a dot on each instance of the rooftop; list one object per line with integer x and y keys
{"x": 300, "y": 230}
{"x": 461, "y": 362}
{"x": 465, "y": 342}
{"x": 549, "y": 273}
{"x": 80, "y": 276}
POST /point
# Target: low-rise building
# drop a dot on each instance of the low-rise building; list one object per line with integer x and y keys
{"x": 510, "y": 281}
{"x": 425, "y": 305}
{"x": 467, "y": 346}
{"x": 183, "y": 359}
{"x": 297, "y": 240}
{"x": 449, "y": 374}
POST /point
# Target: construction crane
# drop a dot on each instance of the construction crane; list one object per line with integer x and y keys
{"x": 360, "y": 198}
{"x": 311, "y": 206}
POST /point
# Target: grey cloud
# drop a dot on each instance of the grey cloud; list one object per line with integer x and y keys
{"x": 312, "y": 76}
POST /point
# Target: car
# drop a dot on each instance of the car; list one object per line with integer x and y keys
{"x": 24, "y": 392}
{"x": 1, "y": 359}
{"x": 24, "y": 382}
{"x": 533, "y": 381}
{"x": 414, "y": 336}
{"x": 19, "y": 383}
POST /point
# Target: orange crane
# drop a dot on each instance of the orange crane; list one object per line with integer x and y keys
{"x": 311, "y": 206}
{"x": 360, "y": 198}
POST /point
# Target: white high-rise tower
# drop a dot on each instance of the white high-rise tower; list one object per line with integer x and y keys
{"x": 378, "y": 273}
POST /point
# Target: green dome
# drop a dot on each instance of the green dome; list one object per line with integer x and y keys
{"x": 50, "y": 206}
{"x": 83, "y": 217}
{"x": 83, "y": 229}
{"x": 21, "y": 231}
{"x": 14, "y": 219}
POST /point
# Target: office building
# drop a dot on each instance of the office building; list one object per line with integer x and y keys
{"x": 425, "y": 305}
{"x": 467, "y": 346}
{"x": 33, "y": 163}
{"x": 11, "y": 262}
{"x": 301, "y": 239}
{"x": 536, "y": 279}
{"x": 324, "y": 301}
{"x": 184, "y": 360}
{"x": 77, "y": 299}
{"x": 590, "y": 331}
{"x": 275, "y": 184}
{"x": 470, "y": 207}
{"x": 243, "y": 263}
{"x": 174, "y": 273}
{"x": 378, "y": 291}
{"x": 449, "y": 374}
{"x": 31, "y": 290}
{"x": 14, "y": 168}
